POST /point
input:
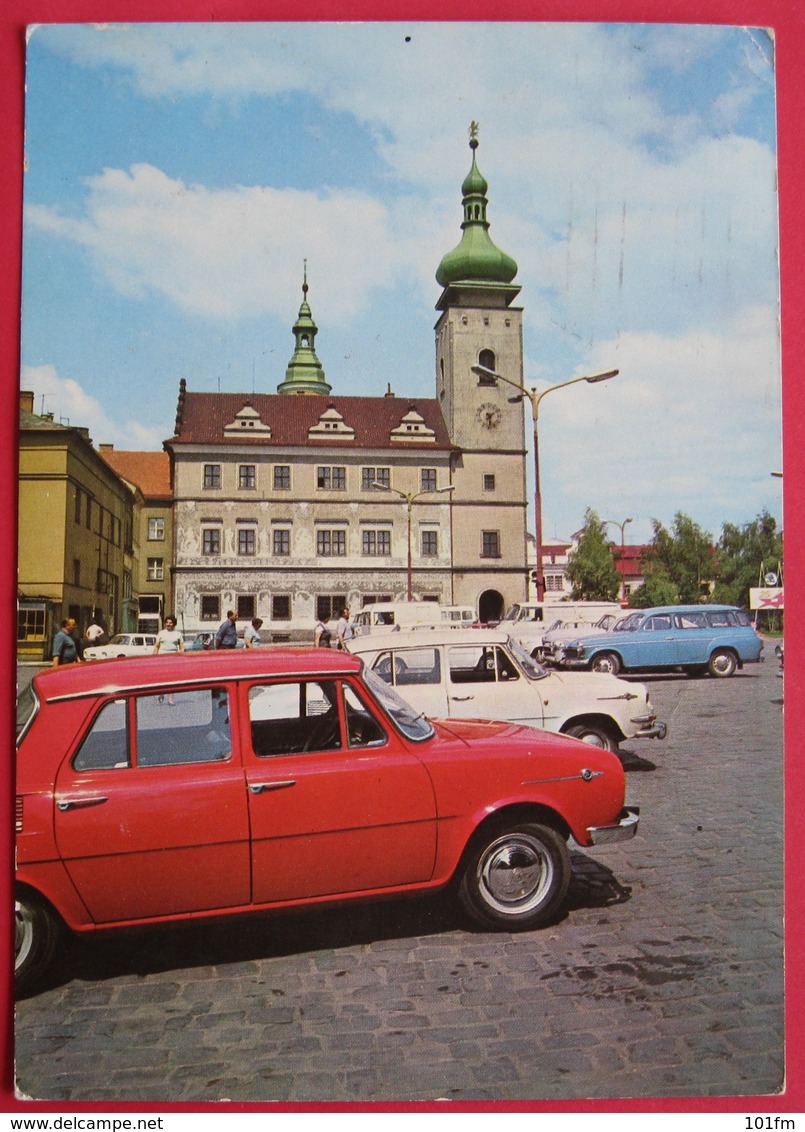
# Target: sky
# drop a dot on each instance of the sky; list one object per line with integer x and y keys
{"x": 179, "y": 176}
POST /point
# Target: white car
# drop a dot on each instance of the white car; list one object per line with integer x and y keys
{"x": 569, "y": 630}
{"x": 484, "y": 674}
{"x": 123, "y": 644}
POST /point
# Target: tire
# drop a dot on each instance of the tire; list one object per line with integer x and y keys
{"x": 722, "y": 663}
{"x": 516, "y": 876}
{"x": 606, "y": 662}
{"x": 36, "y": 935}
{"x": 593, "y": 734}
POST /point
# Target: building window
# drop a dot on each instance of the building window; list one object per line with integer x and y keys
{"x": 490, "y": 544}
{"x": 127, "y": 586}
{"x": 331, "y": 479}
{"x": 247, "y": 541}
{"x": 487, "y": 359}
{"x": 210, "y": 607}
{"x": 155, "y": 569}
{"x": 430, "y": 544}
{"x": 428, "y": 479}
{"x": 89, "y": 513}
{"x": 247, "y": 477}
{"x": 282, "y": 542}
{"x": 281, "y": 607}
{"x": 553, "y": 582}
{"x": 329, "y": 606}
{"x": 156, "y": 529}
{"x": 30, "y": 624}
{"x": 331, "y": 543}
{"x": 76, "y": 571}
{"x": 376, "y": 544}
{"x": 211, "y": 541}
{"x": 212, "y": 475}
{"x": 247, "y": 605}
{"x": 282, "y": 477}
{"x": 489, "y": 483}
{"x": 78, "y": 504}
{"x": 370, "y": 477}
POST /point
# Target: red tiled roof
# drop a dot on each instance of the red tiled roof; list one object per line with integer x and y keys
{"x": 202, "y": 418}
{"x": 150, "y": 471}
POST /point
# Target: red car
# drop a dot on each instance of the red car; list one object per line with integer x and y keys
{"x": 165, "y": 789}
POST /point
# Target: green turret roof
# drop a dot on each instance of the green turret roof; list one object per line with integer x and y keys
{"x": 305, "y": 373}
{"x": 475, "y": 259}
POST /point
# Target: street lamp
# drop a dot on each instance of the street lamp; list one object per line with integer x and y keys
{"x": 622, "y": 526}
{"x": 534, "y": 398}
{"x": 409, "y": 498}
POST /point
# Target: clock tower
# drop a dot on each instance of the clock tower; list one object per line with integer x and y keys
{"x": 479, "y": 326}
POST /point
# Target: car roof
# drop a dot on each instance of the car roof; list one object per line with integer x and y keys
{"x": 105, "y": 677}
{"x": 692, "y": 608}
{"x": 421, "y": 638}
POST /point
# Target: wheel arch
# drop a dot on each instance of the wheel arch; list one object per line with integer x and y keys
{"x": 509, "y": 814}
{"x": 726, "y": 648}
{"x": 599, "y": 652}
{"x": 608, "y": 723}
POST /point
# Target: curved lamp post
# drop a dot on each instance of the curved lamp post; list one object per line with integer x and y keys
{"x": 534, "y": 398}
{"x": 622, "y": 526}
{"x": 409, "y": 498}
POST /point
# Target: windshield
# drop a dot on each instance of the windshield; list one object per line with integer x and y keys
{"x": 413, "y": 724}
{"x": 532, "y": 669}
{"x": 628, "y": 624}
{"x": 27, "y": 707}
{"x": 120, "y": 639}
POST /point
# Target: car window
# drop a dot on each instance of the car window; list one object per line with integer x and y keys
{"x": 479, "y": 664}
{"x": 659, "y": 623}
{"x": 691, "y": 620}
{"x": 190, "y": 726}
{"x": 721, "y": 618}
{"x": 27, "y": 707}
{"x": 363, "y": 730}
{"x": 294, "y": 717}
{"x": 409, "y": 666}
{"x": 105, "y": 745}
{"x": 413, "y": 724}
{"x": 532, "y": 668}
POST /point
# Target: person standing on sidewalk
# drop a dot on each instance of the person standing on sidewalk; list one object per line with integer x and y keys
{"x": 227, "y": 635}
{"x": 65, "y": 649}
{"x": 169, "y": 639}
{"x": 344, "y": 630}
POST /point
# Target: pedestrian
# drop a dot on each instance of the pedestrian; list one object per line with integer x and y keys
{"x": 344, "y": 630}
{"x": 94, "y": 633}
{"x": 322, "y": 636}
{"x": 169, "y": 639}
{"x": 251, "y": 636}
{"x": 227, "y": 635}
{"x": 65, "y": 648}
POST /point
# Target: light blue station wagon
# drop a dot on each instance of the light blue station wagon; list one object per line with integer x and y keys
{"x": 696, "y": 638}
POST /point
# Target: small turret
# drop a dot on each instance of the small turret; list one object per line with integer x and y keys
{"x": 305, "y": 373}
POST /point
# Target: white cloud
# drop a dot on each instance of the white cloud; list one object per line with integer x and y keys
{"x": 64, "y": 398}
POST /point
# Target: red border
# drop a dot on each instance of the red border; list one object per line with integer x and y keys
{"x": 789, "y": 28}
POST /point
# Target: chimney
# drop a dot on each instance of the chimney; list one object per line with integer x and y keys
{"x": 27, "y": 400}
{"x": 106, "y": 447}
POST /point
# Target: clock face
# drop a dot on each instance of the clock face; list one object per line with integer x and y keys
{"x": 489, "y": 415}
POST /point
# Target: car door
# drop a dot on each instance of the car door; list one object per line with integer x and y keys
{"x": 654, "y": 644}
{"x": 418, "y": 675}
{"x": 484, "y": 683}
{"x": 151, "y": 817}
{"x": 337, "y": 802}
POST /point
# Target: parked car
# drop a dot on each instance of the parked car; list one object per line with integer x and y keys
{"x": 163, "y": 790}
{"x": 123, "y": 644}
{"x": 529, "y": 621}
{"x": 485, "y": 674}
{"x": 717, "y": 639}
{"x": 567, "y": 630}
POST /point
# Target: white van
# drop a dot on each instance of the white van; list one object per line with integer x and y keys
{"x": 387, "y": 616}
{"x": 462, "y": 615}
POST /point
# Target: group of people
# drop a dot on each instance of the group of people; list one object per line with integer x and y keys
{"x": 344, "y": 631}
{"x": 68, "y": 649}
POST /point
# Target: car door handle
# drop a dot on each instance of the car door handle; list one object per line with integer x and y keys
{"x": 263, "y": 787}
{"x": 460, "y": 699}
{"x": 79, "y": 803}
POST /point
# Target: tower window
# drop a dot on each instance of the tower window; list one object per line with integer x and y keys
{"x": 487, "y": 359}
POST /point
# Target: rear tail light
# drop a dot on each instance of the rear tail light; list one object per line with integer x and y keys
{"x": 18, "y": 815}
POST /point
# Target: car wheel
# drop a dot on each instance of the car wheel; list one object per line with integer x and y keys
{"x": 594, "y": 735}
{"x": 606, "y": 662}
{"x": 36, "y": 935}
{"x": 516, "y": 876}
{"x": 722, "y": 663}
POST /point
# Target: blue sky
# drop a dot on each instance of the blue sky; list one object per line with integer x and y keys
{"x": 178, "y": 176}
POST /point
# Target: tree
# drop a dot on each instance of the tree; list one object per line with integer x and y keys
{"x": 656, "y": 590}
{"x": 682, "y": 561}
{"x": 743, "y": 552}
{"x": 590, "y": 567}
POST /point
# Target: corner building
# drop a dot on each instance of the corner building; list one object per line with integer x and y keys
{"x": 289, "y": 505}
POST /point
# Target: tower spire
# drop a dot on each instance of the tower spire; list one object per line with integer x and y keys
{"x": 305, "y": 373}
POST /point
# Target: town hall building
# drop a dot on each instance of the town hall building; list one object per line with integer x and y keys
{"x": 289, "y": 506}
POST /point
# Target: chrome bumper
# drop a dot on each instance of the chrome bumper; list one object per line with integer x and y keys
{"x": 655, "y": 730}
{"x": 625, "y": 829}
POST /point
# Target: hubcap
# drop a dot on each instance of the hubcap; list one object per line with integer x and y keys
{"x": 23, "y": 933}
{"x": 722, "y": 663}
{"x": 515, "y": 873}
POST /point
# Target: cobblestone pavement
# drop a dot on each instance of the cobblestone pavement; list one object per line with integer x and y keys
{"x": 662, "y": 977}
